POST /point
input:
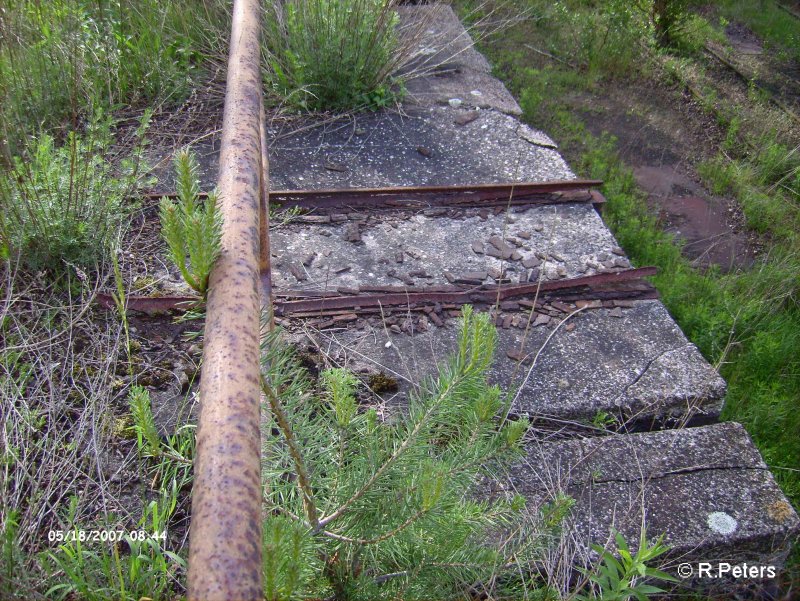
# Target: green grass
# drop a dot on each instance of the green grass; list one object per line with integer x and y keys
{"x": 332, "y": 54}
{"x": 777, "y": 27}
{"x": 63, "y": 59}
{"x": 747, "y": 323}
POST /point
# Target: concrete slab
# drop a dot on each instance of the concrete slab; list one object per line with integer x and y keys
{"x": 446, "y": 67}
{"x": 407, "y": 248}
{"x": 422, "y": 146}
{"x": 706, "y": 489}
{"x": 633, "y": 364}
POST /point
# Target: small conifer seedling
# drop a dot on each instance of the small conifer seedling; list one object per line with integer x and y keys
{"x": 192, "y": 230}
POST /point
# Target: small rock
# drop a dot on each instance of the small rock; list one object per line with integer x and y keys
{"x": 493, "y": 251}
{"x": 609, "y": 264}
{"x": 396, "y": 329}
{"x": 504, "y": 250}
{"x": 538, "y": 227}
{"x": 472, "y": 276}
{"x": 352, "y": 233}
{"x": 398, "y": 256}
{"x": 437, "y": 321}
{"x": 509, "y": 306}
{"x": 516, "y": 255}
{"x": 531, "y": 262}
{"x": 424, "y": 151}
{"x": 617, "y": 312}
{"x": 569, "y": 327}
{"x": 563, "y": 307}
{"x": 484, "y": 214}
{"x": 449, "y": 277}
{"x": 620, "y": 262}
{"x": 561, "y": 271}
{"x": 359, "y": 131}
{"x": 455, "y": 102}
{"x": 388, "y": 344}
{"x": 563, "y": 384}
{"x": 478, "y": 247}
{"x": 618, "y": 251}
{"x": 467, "y": 117}
{"x": 515, "y": 355}
{"x": 335, "y": 167}
{"x": 541, "y": 319}
{"x": 506, "y": 324}
{"x": 298, "y": 273}
{"x": 533, "y": 276}
{"x": 524, "y": 234}
{"x": 309, "y": 259}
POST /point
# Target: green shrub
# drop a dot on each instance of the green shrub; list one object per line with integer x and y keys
{"x": 605, "y": 39}
{"x": 332, "y": 54}
{"x": 66, "y": 204}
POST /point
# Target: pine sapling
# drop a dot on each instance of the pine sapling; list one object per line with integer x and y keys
{"x": 192, "y": 230}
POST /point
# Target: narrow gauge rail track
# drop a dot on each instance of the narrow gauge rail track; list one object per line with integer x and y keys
{"x": 225, "y": 554}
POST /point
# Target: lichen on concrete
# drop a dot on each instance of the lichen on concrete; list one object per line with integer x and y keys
{"x": 672, "y": 482}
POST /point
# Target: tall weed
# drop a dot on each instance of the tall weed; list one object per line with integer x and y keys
{"x": 332, "y": 54}
{"x": 67, "y": 204}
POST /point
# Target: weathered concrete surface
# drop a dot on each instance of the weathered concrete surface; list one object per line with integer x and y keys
{"x": 705, "y": 489}
{"x": 427, "y": 249}
{"x": 446, "y": 65}
{"x": 423, "y": 146}
{"x": 633, "y": 364}
{"x": 381, "y": 148}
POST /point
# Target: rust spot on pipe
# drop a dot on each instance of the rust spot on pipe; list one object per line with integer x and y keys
{"x": 225, "y": 534}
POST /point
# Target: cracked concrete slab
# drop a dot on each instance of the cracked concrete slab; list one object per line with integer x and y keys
{"x": 705, "y": 489}
{"x": 637, "y": 368}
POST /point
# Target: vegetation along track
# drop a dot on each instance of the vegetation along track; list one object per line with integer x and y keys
{"x": 594, "y": 366}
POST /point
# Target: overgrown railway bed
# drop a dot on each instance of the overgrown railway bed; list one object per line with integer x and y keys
{"x": 371, "y": 280}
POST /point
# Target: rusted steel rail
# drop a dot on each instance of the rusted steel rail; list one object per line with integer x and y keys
{"x": 618, "y": 285}
{"x": 225, "y": 542}
{"x": 593, "y": 286}
{"x": 481, "y": 195}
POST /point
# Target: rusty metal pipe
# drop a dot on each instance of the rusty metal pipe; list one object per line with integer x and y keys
{"x": 225, "y": 544}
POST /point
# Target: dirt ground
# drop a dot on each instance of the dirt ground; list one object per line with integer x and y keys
{"x": 663, "y": 134}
